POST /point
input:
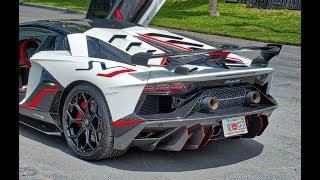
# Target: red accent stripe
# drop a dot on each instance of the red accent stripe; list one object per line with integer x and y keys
{"x": 112, "y": 74}
{"x": 163, "y": 61}
{"x": 36, "y": 100}
{"x": 225, "y": 54}
{"x": 221, "y": 54}
{"x": 119, "y": 15}
{"x": 164, "y": 42}
{"x": 128, "y": 122}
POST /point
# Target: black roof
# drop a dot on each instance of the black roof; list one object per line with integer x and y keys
{"x": 78, "y": 25}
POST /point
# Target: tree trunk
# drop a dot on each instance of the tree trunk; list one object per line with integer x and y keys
{"x": 214, "y": 8}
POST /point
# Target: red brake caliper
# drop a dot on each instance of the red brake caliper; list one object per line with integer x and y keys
{"x": 79, "y": 116}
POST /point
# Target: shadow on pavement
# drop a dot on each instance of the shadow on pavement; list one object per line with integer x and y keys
{"x": 51, "y": 141}
{"x": 216, "y": 154}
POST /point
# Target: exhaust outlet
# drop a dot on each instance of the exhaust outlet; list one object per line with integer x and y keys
{"x": 209, "y": 103}
{"x": 253, "y": 97}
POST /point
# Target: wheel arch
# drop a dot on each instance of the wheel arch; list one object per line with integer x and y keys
{"x": 65, "y": 94}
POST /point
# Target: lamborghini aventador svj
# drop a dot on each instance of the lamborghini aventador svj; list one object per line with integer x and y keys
{"x": 109, "y": 82}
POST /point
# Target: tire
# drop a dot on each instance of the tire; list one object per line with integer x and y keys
{"x": 88, "y": 131}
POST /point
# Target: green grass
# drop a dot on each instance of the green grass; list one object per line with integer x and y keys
{"x": 235, "y": 20}
{"x": 81, "y": 5}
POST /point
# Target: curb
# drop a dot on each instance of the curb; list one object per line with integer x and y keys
{"x": 65, "y": 10}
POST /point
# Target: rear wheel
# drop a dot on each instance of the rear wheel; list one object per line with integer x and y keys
{"x": 87, "y": 124}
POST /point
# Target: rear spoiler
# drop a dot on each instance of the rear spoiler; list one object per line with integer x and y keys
{"x": 267, "y": 53}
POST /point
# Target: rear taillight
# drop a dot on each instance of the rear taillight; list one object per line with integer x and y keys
{"x": 168, "y": 88}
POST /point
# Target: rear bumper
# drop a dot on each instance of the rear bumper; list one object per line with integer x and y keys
{"x": 191, "y": 132}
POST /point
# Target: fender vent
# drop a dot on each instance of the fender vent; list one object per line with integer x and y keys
{"x": 55, "y": 103}
{"x": 55, "y": 108}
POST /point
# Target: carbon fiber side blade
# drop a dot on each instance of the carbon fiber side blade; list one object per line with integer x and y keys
{"x": 196, "y": 138}
{"x": 176, "y": 143}
{"x": 207, "y": 136}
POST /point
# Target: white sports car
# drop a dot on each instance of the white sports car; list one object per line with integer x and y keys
{"x": 110, "y": 82}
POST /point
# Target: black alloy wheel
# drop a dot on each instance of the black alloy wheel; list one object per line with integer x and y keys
{"x": 87, "y": 123}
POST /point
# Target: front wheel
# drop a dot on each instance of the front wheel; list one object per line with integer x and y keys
{"x": 87, "y": 123}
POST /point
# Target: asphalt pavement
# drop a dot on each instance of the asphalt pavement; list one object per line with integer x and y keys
{"x": 276, "y": 154}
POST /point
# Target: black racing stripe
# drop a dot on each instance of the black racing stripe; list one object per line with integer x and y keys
{"x": 90, "y": 66}
{"x": 195, "y": 49}
{"x": 164, "y": 35}
{"x": 186, "y": 43}
{"x": 133, "y": 44}
{"x": 151, "y": 51}
{"x": 117, "y": 37}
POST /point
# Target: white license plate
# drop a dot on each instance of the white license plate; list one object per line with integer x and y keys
{"x": 234, "y": 126}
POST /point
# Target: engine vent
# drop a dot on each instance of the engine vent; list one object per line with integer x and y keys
{"x": 227, "y": 97}
{"x": 154, "y": 104}
{"x": 150, "y": 105}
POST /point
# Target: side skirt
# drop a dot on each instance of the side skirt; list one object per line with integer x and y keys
{"x": 44, "y": 127}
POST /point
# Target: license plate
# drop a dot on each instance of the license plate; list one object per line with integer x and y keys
{"x": 234, "y": 126}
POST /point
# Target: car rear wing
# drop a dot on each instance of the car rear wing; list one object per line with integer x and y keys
{"x": 267, "y": 53}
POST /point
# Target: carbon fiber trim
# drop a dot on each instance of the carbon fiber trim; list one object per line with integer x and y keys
{"x": 117, "y": 37}
{"x": 185, "y": 43}
{"x": 188, "y": 133}
{"x": 133, "y": 44}
{"x": 164, "y": 35}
